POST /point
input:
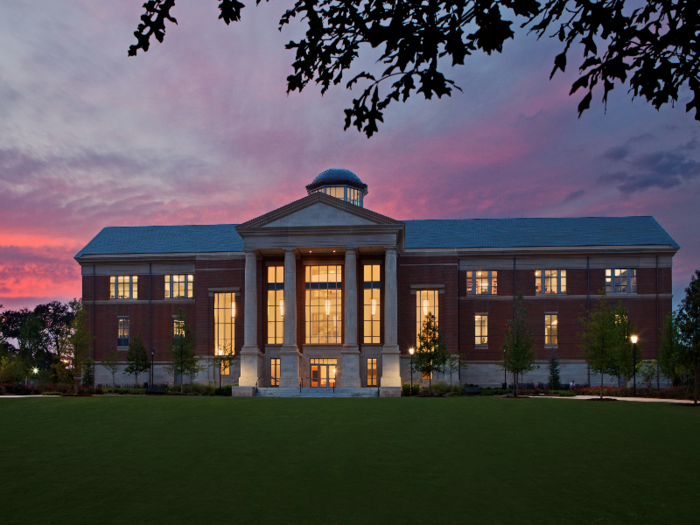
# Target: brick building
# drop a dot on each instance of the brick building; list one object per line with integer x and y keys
{"x": 323, "y": 290}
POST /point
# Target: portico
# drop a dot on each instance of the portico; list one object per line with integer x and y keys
{"x": 324, "y": 244}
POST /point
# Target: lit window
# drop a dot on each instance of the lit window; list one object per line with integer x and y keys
{"x": 275, "y": 305}
{"x": 426, "y": 303}
{"x": 224, "y": 326}
{"x": 323, "y": 372}
{"x": 274, "y": 372}
{"x": 178, "y": 329}
{"x": 324, "y": 323}
{"x": 482, "y": 282}
{"x": 179, "y": 286}
{"x": 371, "y": 372}
{"x": 550, "y": 329}
{"x": 354, "y": 196}
{"x": 621, "y": 280}
{"x": 124, "y": 287}
{"x": 123, "y": 331}
{"x": 481, "y": 329}
{"x": 554, "y": 281}
{"x": 372, "y": 306}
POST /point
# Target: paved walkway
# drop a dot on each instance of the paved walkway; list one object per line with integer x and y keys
{"x": 636, "y": 399}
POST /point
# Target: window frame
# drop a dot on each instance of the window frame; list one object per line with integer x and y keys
{"x": 372, "y": 379}
{"x": 491, "y": 280}
{"x": 483, "y": 327}
{"x": 630, "y": 284}
{"x": 423, "y": 295}
{"x": 225, "y": 307}
{"x": 275, "y": 371}
{"x": 276, "y": 320}
{"x": 374, "y": 322}
{"x": 115, "y": 285}
{"x": 551, "y": 321}
{"x": 541, "y": 282}
{"x": 123, "y": 321}
{"x": 189, "y": 286}
{"x": 336, "y": 306}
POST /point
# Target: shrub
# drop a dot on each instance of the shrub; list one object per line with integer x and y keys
{"x": 416, "y": 390}
{"x": 224, "y": 391}
{"x": 442, "y": 389}
{"x": 495, "y": 391}
{"x": 406, "y": 390}
{"x": 126, "y": 391}
{"x": 49, "y": 393}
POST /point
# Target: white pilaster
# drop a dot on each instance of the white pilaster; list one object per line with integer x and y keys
{"x": 391, "y": 368}
{"x": 250, "y": 354}
{"x": 289, "y": 353}
{"x": 350, "y": 366}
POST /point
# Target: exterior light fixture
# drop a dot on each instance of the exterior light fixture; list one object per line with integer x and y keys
{"x": 410, "y": 351}
{"x": 35, "y": 370}
{"x": 281, "y": 307}
{"x": 634, "y": 340}
{"x": 374, "y": 307}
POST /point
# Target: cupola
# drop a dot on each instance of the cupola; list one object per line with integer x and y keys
{"x": 339, "y": 183}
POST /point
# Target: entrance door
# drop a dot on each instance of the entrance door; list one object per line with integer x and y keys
{"x": 323, "y": 373}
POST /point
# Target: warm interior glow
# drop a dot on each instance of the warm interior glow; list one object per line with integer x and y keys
{"x": 374, "y": 307}
{"x": 281, "y": 307}
{"x": 634, "y": 339}
{"x": 425, "y": 306}
{"x": 328, "y": 307}
{"x": 233, "y": 309}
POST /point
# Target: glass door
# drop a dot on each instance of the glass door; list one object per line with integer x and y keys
{"x": 323, "y": 373}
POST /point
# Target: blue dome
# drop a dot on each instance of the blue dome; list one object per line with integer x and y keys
{"x": 337, "y": 177}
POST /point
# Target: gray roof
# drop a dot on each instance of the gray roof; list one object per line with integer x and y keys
{"x": 122, "y": 240}
{"x": 550, "y": 232}
{"x": 420, "y": 234}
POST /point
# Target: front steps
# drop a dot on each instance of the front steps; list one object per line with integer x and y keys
{"x": 316, "y": 392}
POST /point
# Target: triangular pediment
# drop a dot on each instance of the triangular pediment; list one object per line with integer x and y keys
{"x": 317, "y": 210}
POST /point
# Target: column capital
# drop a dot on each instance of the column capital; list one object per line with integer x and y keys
{"x": 390, "y": 249}
{"x": 352, "y": 249}
{"x": 293, "y": 250}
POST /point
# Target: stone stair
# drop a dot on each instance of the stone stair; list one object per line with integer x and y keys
{"x": 316, "y": 392}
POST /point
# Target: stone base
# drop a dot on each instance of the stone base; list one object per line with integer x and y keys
{"x": 350, "y": 367}
{"x": 389, "y": 392}
{"x": 250, "y": 366}
{"x": 242, "y": 391}
{"x": 391, "y": 368}
{"x": 289, "y": 367}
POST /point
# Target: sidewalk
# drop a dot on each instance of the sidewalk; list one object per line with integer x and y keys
{"x": 637, "y": 399}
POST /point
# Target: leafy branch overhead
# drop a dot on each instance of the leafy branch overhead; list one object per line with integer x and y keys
{"x": 654, "y": 48}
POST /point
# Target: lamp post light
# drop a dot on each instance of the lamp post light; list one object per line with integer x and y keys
{"x": 410, "y": 351}
{"x": 634, "y": 360}
{"x": 153, "y": 372}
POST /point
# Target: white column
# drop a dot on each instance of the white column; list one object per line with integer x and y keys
{"x": 350, "y": 365}
{"x": 250, "y": 355}
{"x": 289, "y": 353}
{"x": 391, "y": 373}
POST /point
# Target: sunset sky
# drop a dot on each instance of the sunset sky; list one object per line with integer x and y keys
{"x": 200, "y": 130}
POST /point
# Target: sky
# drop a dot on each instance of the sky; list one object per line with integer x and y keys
{"x": 200, "y": 130}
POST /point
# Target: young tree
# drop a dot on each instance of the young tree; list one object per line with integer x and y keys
{"x": 76, "y": 346}
{"x": 223, "y": 359}
{"x": 33, "y": 344}
{"x": 455, "y": 363}
{"x": 623, "y": 360}
{"x": 648, "y": 373}
{"x": 431, "y": 355}
{"x": 554, "y": 373}
{"x": 689, "y": 325}
{"x": 110, "y": 361}
{"x": 184, "y": 358}
{"x": 672, "y": 360}
{"x": 599, "y": 337}
{"x": 88, "y": 377}
{"x": 137, "y": 359}
{"x": 518, "y": 351}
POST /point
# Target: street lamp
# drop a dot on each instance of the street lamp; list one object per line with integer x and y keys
{"x": 505, "y": 372}
{"x": 410, "y": 351}
{"x": 153, "y": 372}
{"x": 634, "y": 360}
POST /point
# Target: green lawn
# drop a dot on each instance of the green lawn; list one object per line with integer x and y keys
{"x": 347, "y": 461}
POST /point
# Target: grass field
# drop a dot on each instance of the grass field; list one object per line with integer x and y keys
{"x": 347, "y": 461}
